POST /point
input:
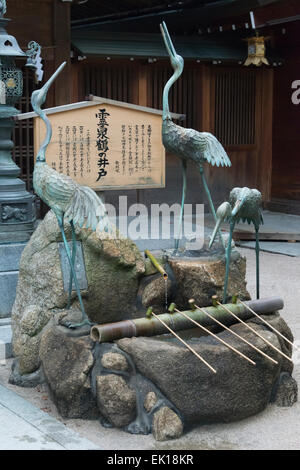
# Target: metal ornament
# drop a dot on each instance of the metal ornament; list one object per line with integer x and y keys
{"x": 256, "y": 51}
{"x": 188, "y": 144}
{"x": 34, "y": 60}
{"x": 78, "y": 205}
{"x": 2, "y": 8}
{"x": 244, "y": 204}
{"x": 11, "y": 82}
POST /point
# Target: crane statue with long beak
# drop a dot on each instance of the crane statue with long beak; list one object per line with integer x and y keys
{"x": 188, "y": 144}
{"x": 244, "y": 204}
{"x": 78, "y": 205}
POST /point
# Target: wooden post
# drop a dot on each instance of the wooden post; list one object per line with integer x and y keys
{"x": 264, "y": 167}
{"x": 62, "y": 44}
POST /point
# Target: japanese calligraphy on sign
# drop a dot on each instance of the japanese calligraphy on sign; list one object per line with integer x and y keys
{"x": 106, "y": 146}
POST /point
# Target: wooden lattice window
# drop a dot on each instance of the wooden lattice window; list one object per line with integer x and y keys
{"x": 235, "y": 92}
{"x": 113, "y": 81}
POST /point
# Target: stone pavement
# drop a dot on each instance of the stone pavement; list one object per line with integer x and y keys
{"x": 25, "y": 427}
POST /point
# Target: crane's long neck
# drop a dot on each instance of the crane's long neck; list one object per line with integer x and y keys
{"x": 170, "y": 82}
{"x": 41, "y": 156}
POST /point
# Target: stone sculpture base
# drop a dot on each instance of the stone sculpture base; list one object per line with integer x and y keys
{"x": 156, "y": 385}
{"x": 121, "y": 283}
{"x": 138, "y": 384}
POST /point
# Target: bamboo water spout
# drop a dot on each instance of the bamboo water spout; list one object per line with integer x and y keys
{"x": 152, "y": 326}
{"x": 156, "y": 264}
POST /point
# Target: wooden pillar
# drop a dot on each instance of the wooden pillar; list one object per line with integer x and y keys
{"x": 264, "y": 175}
{"x": 142, "y": 101}
{"x": 143, "y": 85}
{"x": 207, "y": 115}
{"x": 206, "y": 99}
{"x": 62, "y": 47}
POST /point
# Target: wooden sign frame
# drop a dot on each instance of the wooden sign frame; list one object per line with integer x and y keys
{"x": 105, "y": 144}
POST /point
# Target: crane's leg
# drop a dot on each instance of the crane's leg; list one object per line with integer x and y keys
{"x": 211, "y": 204}
{"x": 184, "y": 165}
{"x": 85, "y": 319}
{"x": 74, "y": 248}
{"x": 228, "y": 256}
{"x": 257, "y": 261}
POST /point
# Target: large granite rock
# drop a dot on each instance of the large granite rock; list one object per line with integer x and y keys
{"x": 197, "y": 277}
{"x": 66, "y": 363}
{"x": 201, "y": 278}
{"x": 146, "y": 384}
{"x": 113, "y": 269}
{"x": 236, "y": 391}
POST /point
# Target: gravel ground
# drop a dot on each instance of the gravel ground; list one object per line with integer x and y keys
{"x": 275, "y": 428}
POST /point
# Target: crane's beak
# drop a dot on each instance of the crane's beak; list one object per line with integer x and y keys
{"x": 46, "y": 86}
{"x": 237, "y": 207}
{"x": 216, "y": 229}
{"x": 167, "y": 40}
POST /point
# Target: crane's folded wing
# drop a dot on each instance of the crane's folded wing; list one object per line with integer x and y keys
{"x": 58, "y": 189}
{"x": 86, "y": 209}
{"x": 213, "y": 152}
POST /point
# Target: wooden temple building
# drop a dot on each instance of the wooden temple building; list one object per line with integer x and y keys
{"x": 114, "y": 50}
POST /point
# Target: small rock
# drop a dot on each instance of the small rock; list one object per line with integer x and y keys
{"x": 150, "y": 401}
{"x": 287, "y": 391}
{"x": 116, "y": 400}
{"x": 166, "y": 425}
{"x": 114, "y": 361}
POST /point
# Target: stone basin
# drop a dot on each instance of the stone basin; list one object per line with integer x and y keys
{"x": 141, "y": 385}
{"x": 156, "y": 385}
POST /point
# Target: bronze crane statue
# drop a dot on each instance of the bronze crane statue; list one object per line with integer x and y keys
{"x": 188, "y": 144}
{"x": 79, "y": 205}
{"x": 244, "y": 204}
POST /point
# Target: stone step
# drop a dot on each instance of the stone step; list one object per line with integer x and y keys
{"x": 10, "y": 255}
{"x": 5, "y": 339}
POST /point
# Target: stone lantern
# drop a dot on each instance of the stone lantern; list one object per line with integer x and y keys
{"x": 17, "y": 207}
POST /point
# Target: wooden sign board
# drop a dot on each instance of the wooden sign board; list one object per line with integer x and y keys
{"x": 105, "y": 144}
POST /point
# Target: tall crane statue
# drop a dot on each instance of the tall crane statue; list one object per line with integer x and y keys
{"x": 244, "y": 204}
{"x": 188, "y": 144}
{"x": 78, "y": 205}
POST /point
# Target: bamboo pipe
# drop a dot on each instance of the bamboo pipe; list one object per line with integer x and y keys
{"x": 257, "y": 334}
{"x": 238, "y": 336}
{"x": 150, "y": 327}
{"x": 156, "y": 264}
{"x": 173, "y": 306}
{"x": 269, "y": 325}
